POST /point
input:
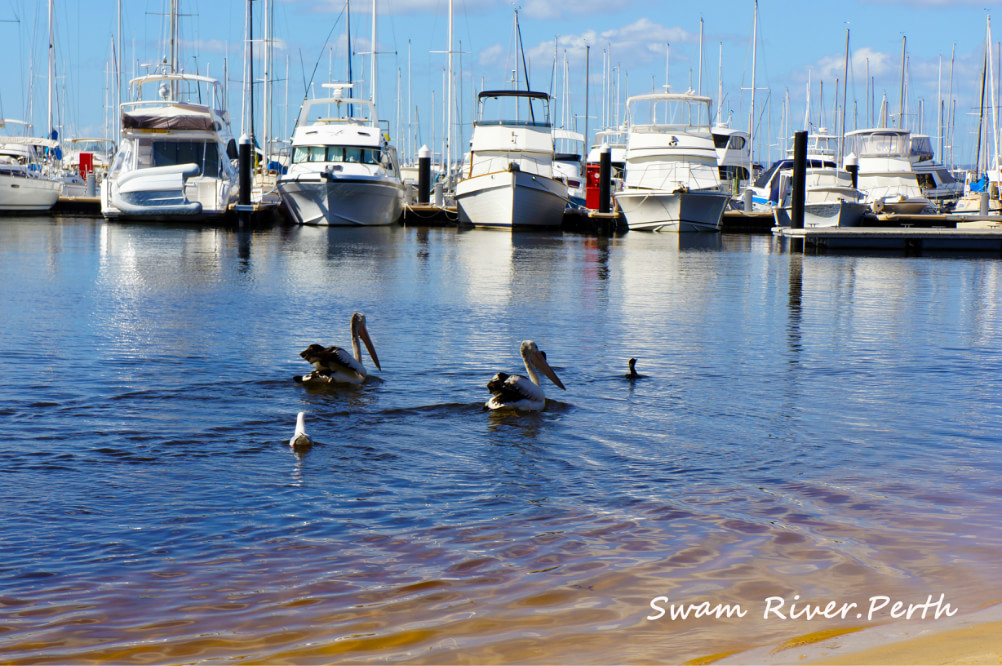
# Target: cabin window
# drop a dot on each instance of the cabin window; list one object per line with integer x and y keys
{"x": 202, "y": 153}
{"x": 309, "y": 154}
{"x": 350, "y": 154}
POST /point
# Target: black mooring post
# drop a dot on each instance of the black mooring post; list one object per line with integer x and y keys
{"x": 604, "y": 178}
{"x": 799, "y": 179}
{"x": 852, "y": 166}
{"x": 244, "y": 178}
{"x": 424, "y": 175}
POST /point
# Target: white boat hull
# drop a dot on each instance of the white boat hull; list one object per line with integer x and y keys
{"x": 24, "y": 194}
{"x": 511, "y": 199}
{"x": 358, "y": 201}
{"x": 824, "y": 214}
{"x": 686, "y": 211}
{"x": 166, "y": 193}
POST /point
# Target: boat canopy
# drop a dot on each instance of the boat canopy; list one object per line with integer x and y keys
{"x": 173, "y": 117}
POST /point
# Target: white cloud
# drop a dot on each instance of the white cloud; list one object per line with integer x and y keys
{"x": 491, "y": 55}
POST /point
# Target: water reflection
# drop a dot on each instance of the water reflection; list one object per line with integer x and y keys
{"x": 794, "y": 296}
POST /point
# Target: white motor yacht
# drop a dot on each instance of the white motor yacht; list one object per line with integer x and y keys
{"x": 174, "y": 158}
{"x": 886, "y": 175}
{"x": 344, "y": 170}
{"x": 672, "y": 177}
{"x": 510, "y": 181}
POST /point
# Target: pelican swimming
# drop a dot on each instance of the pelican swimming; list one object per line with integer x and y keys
{"x": 517, "y": 392}
{"x": 334, "y": 365}
{"x": 300, "y": 439}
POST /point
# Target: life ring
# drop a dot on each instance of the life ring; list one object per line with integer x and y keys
{"x": 878, "y": 206}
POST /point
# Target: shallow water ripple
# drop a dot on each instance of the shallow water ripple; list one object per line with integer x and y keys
{"x": 816, "y": 426}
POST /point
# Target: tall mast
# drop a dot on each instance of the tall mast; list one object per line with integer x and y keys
{"x": 949, "y": 110}
{"x": 751, "y": 114}
{"x": 901, "y": 104}
{"x": 939, "y": 110}
{"x": 173, "y": 36}
{"x": 845, "y": 85}
{"x": 699, "y": 79}
{"x": 991, "y": 82}
{"x": 720, "y": 84}
{"x": 266, "y": 106}
{"x": 119, "y": 70}
{"x": 52, "y": 66}
{"x": 372, "y": 65}
{"x": 448, "y": 103}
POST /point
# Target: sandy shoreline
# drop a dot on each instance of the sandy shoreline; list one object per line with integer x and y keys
{"x": 975, "y": 638}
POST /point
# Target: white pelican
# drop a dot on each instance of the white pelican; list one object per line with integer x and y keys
{"x": 300, "y": 439}
{"x": 517, "y": 392}
{"x": 333, "y": 365}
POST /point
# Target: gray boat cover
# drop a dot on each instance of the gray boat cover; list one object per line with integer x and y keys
{"x": 174, "y": 117}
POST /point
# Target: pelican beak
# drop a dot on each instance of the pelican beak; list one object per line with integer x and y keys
{"x": 539, "y": 360}
{"x": 363, "y": 334}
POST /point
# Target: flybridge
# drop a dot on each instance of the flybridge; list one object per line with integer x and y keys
{"x": 514, "y": 107}
{"x": 337, "y": 108}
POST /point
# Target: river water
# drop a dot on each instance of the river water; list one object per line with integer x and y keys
{"x": 808, "y": 428}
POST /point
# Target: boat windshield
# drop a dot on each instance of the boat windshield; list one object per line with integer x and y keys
{"x": 670, "y": 113}
{"x": 203, "y": 153}
{"x": 880, "y": 144}
{"x": 349, "y": 154}
{"x": 513, "y": 109}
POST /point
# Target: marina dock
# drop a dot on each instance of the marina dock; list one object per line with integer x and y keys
{"x": 910, "y": 240}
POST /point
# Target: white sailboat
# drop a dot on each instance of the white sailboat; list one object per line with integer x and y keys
{"x": 672, "y": 178}
{"x": 174, "y": 156}
{"x": 344, "y": 171}
{"x": 27, "y": 180}
{"x": 510, "y": 181}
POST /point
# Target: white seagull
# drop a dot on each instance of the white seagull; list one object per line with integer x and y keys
{"x": 517, "y": 392}
{"x": 334, "y": 365}
{"x": 300, "y": 439}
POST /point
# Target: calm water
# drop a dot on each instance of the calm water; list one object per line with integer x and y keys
{"x": 827, "y": 427}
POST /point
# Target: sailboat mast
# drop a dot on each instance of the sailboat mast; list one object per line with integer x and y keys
{"x": 372, "y": 63}
{"x": 845, "y": 85}
{"x": 699, "y": 79}
{"x": 939, "y": 109}
{"x": 901, "y": 104}
{"x": 991, "y": 81}
{"x": 266, "y": 106}
{"x": 52, "y": 76}
{"x": 448, "y": 103}
{"x": 751, "y": 113}
{"x": 720, "y": 84}
{"x": 173, "y": 36}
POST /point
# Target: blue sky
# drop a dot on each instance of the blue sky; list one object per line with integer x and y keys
{"x": 797, "y": 41}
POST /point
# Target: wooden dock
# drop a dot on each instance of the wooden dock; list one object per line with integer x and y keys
{"x": 908, "y": 240}
{"x": 430, "y": 215}
{"x": 77, "y": 206}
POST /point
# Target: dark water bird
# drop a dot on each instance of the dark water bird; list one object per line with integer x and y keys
{"x": 518, "y": 392}
{"x": 633, "y": 374}
{"x": 300, "y": 439}
{"x": 334, "y": 365}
